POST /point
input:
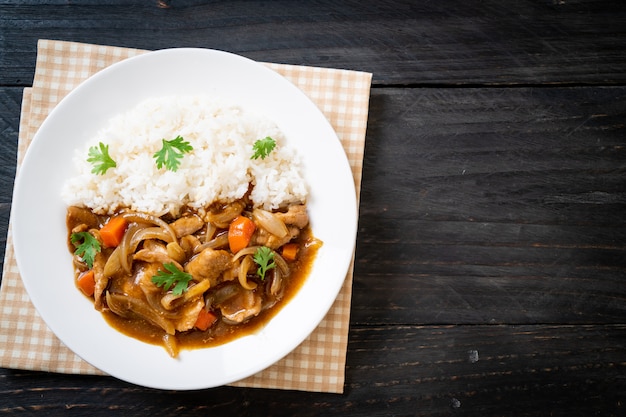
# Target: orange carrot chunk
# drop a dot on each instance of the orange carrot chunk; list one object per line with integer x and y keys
{"x": 205, "y": 320}
{"x": 113, "y": 232}
{"x": 240, "y": 233}
{"x": 87, "y": 283}
{"x": 290, "y": 251}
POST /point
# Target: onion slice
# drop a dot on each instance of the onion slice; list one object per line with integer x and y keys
{"x": 149, "y": 218}
{"x": 113, "y": 264}
{"x": 270, "y": 222}
{"x": 125, "y": 306}
{"x": 243, "y": 273}
{"x": 223, "y": 218}
{"x": 218, "y": 242}
{"x": 125, "y": 259}
{"x": 245, "y": 251}
{"x": 171, "y": 301}
{"x": 281, "y": 263}
{"x": 170, "y": 343}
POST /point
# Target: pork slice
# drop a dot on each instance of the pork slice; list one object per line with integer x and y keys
{"x": 187, "y": 225}
{"x": 209, "y": 264}
{"x": 295, "y": 215}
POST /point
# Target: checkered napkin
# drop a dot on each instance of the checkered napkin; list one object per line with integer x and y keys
{"x": 318, "y": 364}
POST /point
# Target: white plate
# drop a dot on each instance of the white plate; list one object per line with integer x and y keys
{"x": 39, "y": 215}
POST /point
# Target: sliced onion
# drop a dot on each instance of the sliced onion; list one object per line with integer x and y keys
{"x": 155, "y": 300}
{"x": 281, "y": 263}
{"x": 153, "y": 294}
{"x": 243, "y": 273}
{"x": 210, "y": 232}
{"x": 170, "y": 342}
{"x": 124, "y": 256}
{"x": 220, "y": 295}
{"x": 222, "y": 218}
{"x": 101, "y": 282}
{"x": 123, "y": 305}
{"x": 245, "y": 251}
{"x": 168, "y": 301}
{"x": 113, "y": 264}
{"x": 277, "y": 282}
{"x": 149, "y": 218}
{"x": 196, "y": 290}
{"x": 270, "y": 222}
{"x": 219, "y": 242}
{"x": 251, "y": 250}
{"x": 148, "y": 233}
{"x": 171, "y": 301}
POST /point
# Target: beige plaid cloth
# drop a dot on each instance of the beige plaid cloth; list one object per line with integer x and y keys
{"x": 318, "y": 364}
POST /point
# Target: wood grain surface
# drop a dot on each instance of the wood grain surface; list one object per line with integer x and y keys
{"x": 491, "y": 252}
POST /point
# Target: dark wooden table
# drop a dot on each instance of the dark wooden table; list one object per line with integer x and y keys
{"x": 490, "y": 274}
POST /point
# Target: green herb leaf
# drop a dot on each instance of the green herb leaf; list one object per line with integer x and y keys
{"x": 174, "y": 277}
{"x": 263, "y": 147}
{"x": 264, "y": 257}
{"x": 171, "y": 153}
{"x": 100, "y": 159}
{"x": 87, "y": 247}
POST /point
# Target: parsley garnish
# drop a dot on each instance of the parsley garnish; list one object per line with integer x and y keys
{"x": 171, "y": 153}
{"x": 100, "y": 159}
{"x": 263, "y": 256}
{"x": 263, "y": 147}
{"x": 175, "y": 277}
{"x": 87, "y": 247}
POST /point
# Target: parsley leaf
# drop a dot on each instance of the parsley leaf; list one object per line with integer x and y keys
{"x": 100, "y": 159}
{"x": 174, "y": 277}
{"x": 87, "y": 247}
{"x": 171, "y": 153}
{"x": 262, "y": 257}
{"x": 263, "y": 147}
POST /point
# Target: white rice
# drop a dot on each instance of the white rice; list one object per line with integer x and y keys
{"x": 219, "y": 167}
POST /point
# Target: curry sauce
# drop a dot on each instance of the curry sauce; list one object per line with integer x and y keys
{"x": 178, "y": 282}
{"x": 221, "y": 332}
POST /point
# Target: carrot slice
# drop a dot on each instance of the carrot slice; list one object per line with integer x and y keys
{"x": 87, "y": 283}
{"x": 240, "y": 233}
{"x": 113, "y": 232}
{"x": 290, "y": 251}
{"x": 205, "y": 320}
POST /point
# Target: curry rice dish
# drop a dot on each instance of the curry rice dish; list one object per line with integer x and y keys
{"x": 187, "y": 222}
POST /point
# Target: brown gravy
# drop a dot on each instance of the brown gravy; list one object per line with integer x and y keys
{"x": 222, "y": 333}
